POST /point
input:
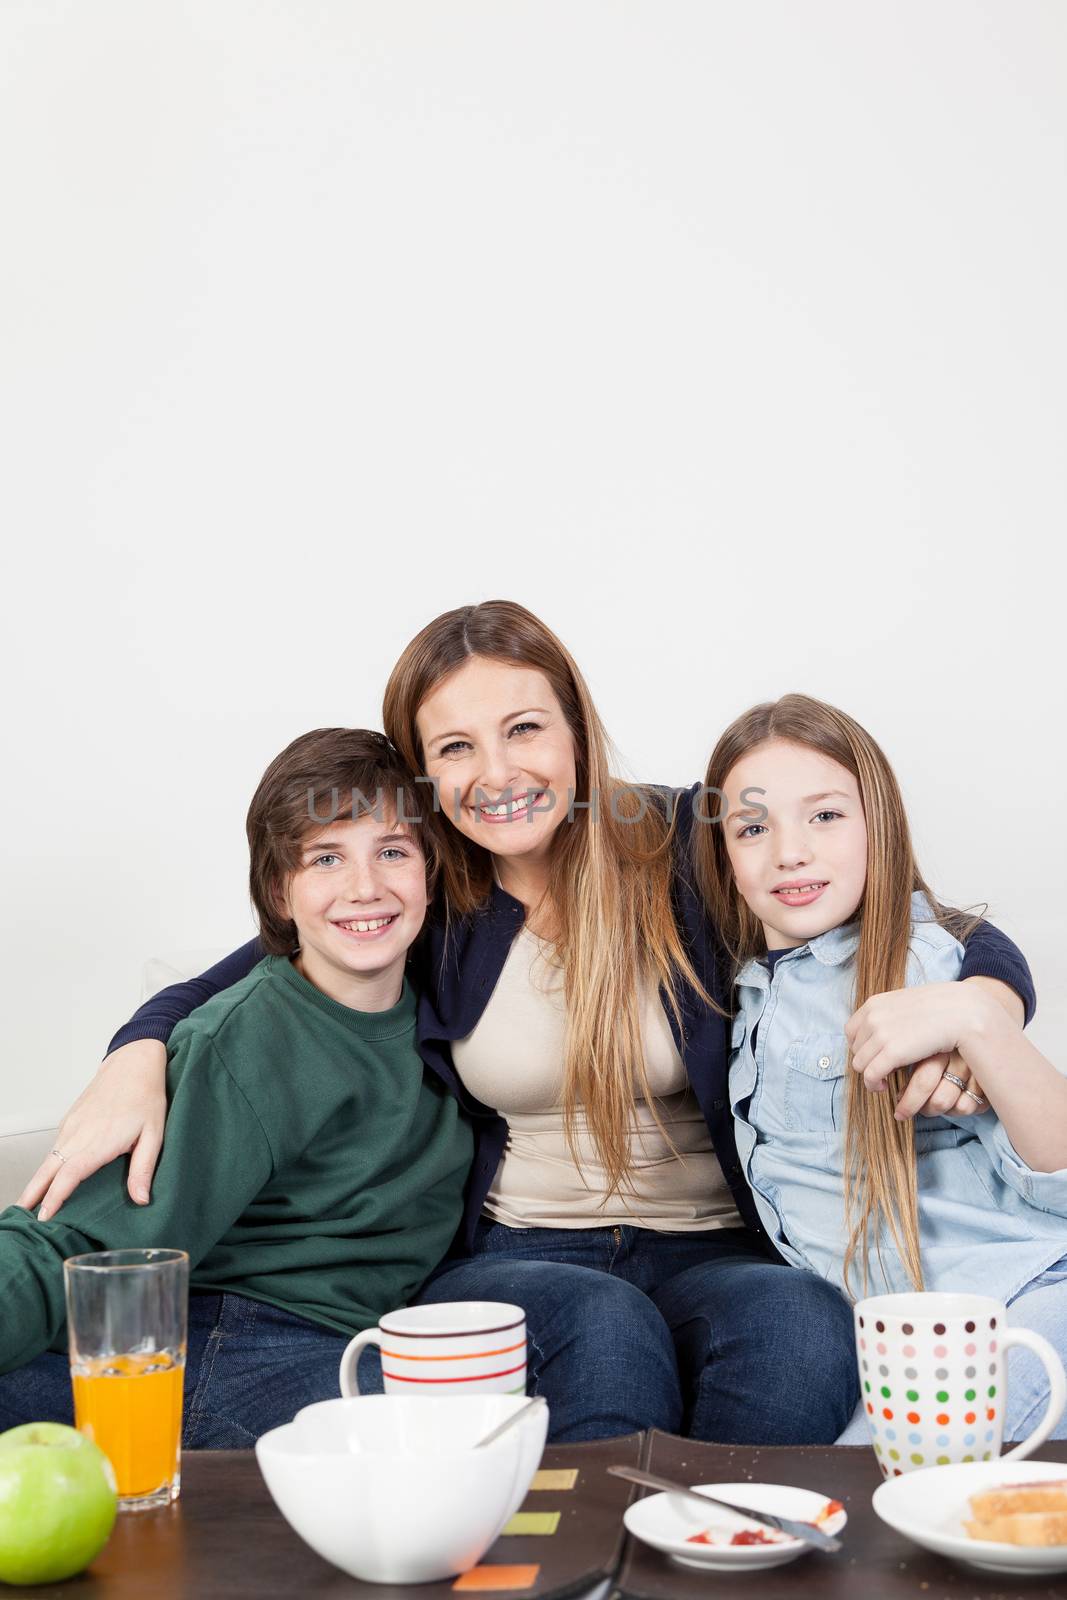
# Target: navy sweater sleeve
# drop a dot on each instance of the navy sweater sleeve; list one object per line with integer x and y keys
{"x": 991, "y": 954}
{"x": 162, "y": 1013}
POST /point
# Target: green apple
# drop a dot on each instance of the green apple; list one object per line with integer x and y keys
{"x": 57, "y": 1502}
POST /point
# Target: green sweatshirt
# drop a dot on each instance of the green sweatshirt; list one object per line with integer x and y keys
{"x": 307, "y": 1162}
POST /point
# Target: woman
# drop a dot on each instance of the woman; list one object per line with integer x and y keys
{"x": 571, "y": 981}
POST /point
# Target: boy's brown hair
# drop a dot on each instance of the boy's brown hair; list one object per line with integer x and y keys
{"x": 323, "y": 775}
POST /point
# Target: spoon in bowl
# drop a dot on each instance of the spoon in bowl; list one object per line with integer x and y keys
{"x": 509, "y": 1422}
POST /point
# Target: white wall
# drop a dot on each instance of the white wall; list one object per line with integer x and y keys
{"x": 730, "y": 338}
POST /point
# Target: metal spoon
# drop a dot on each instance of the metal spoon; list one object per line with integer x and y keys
{"x": 509, "y": 1422}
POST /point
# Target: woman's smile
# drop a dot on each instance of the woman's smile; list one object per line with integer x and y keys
{"x": 496, "y": 742}
{"x": 514, "y": 805}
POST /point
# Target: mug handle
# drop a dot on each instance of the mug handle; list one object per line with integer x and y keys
{"x": 1057, "y": 1382}
{"x": 350, "y": 1365}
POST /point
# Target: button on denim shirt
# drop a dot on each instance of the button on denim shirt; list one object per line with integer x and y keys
{"x": 988, "y": 1223}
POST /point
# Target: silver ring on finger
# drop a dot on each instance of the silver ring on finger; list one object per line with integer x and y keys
{"x": 952, "y": 1078}
{"x": 978, "y": 1099}
{"x": 58, "y": 1154}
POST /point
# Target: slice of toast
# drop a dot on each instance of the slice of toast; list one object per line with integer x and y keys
{"x": 1021, "y": 1513}
{"x": 1048, "y": 1494}
{"x": 1024, "y": 1527}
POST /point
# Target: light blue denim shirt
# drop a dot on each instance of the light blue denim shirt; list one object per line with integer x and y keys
{"x": 988, "y": 1223}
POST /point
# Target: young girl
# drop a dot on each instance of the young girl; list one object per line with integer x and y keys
{"x": 811, "y": 878}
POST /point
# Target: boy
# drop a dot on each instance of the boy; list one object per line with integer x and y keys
{"x": 310, "y": 1170}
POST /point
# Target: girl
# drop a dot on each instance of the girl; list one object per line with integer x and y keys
{"x": 812, "y": 880}
{"x": 573, "y": 1000}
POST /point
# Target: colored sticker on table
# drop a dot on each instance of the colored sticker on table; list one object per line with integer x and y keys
{"x": 492, "y": 1579}
{"x": 555, "y": 1478}
{"x": 534, "y": 1522}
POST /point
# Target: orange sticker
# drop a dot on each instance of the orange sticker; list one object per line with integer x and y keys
{"x": 495, "y": 1579}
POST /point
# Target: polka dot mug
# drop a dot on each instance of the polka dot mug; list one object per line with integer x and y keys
{"x": 933, "y": 1379}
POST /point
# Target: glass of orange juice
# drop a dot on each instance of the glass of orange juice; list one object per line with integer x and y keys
{"x": 126, "y": 1319}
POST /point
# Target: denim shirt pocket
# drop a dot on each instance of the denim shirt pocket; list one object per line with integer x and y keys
{"x": 814, "y": 1083}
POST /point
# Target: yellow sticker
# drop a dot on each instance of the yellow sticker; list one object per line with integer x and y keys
{"x": 555, "y": 1478}
{"x": 495, "y": 1579}
{"x": 534, "y": 1522}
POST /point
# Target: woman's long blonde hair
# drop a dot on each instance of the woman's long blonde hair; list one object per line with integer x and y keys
{"x": 609, "y": 879}
{"x": 880, "y": 1170}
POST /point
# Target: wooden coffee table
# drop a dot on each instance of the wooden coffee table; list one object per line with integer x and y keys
{"x": 224, "y": 1538}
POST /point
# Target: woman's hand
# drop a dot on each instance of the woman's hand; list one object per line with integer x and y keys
{"x": 930, "y": 1093}
{"x": 123, "y": 1109}
{"x": 921, "y": 1027}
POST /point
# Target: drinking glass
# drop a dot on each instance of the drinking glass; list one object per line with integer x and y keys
{"x": 127, "y": 1312}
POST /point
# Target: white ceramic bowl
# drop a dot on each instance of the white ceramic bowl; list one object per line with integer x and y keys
{"x": 390, "y": 1488}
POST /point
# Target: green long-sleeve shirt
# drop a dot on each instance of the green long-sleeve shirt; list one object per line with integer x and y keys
{"x": 307, "y": 1162}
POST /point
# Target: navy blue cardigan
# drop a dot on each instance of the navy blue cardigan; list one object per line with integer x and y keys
{"x": 455, "y": 978}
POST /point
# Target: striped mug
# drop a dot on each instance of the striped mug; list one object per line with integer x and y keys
{"x": 462, "y": 1347}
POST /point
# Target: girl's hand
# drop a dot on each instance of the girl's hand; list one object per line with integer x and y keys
{"x": 921, "y": 1027}
{"x": 123, "y": 1109}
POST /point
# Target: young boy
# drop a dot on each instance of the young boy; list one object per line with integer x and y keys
{"x": 310, "y": 1169}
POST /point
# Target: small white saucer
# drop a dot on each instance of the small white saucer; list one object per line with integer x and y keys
{"x": 931, "y": 1506}
{"x": 665, "y": 1521}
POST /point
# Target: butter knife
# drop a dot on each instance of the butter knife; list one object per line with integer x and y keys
{"x": 806, "y": 1531}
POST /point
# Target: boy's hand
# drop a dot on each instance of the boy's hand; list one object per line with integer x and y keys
{"x": 123, "y": 1109}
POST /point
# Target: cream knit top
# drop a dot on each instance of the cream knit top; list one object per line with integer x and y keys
{"x": 513, "y": 1060}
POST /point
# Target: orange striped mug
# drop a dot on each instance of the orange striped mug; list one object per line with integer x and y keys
{"x": 461, "y": 1347}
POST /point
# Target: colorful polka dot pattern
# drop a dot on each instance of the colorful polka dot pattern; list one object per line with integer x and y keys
{"x": 917, "y": 1411}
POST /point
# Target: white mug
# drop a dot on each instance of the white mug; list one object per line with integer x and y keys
{"x": 933, "y": 1378}
{"x": 462, "y": 1347}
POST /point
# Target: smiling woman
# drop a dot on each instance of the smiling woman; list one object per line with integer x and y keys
{"x": 487, "y": 702}
{"x": 499, "y": 771}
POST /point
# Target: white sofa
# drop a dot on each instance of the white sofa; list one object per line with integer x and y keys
{"x": 24, "y": 1148}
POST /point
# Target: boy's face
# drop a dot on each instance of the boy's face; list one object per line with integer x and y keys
{"x": 358, "y": 898}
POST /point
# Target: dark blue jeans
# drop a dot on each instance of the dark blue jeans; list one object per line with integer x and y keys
{"x": 696, "y": 1333}
{"x": 249, "y": 1367}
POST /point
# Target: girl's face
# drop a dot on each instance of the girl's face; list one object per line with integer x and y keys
{"x": 802, "y": 868}
{"x": 495, "y": 738}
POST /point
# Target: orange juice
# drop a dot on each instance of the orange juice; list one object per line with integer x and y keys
{"x": 131, "y": 1406}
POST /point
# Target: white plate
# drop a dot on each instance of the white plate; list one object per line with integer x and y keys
{"x": 665, "y": 1521}
{"x": 931, "y": 1506}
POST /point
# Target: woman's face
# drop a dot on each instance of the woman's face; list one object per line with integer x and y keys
{"x": 495, "y": 738}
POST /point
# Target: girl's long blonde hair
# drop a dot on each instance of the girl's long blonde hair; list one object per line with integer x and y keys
{"x": 880, "y": 1170}
{"x": 609, "y": 879}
